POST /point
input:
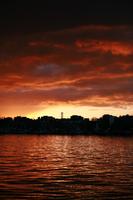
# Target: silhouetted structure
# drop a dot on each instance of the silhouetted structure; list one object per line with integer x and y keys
{"x": 106, "y": 125}
{"x": 62, "y": 115}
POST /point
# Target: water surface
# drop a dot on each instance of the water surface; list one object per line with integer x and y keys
{"x": 65, "y": 167}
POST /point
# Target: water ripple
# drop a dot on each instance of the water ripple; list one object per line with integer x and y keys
{"x": 65, "y": 167}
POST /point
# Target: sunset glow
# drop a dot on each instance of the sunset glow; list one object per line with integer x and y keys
{"x": 85, "y": 70}
{"x": 48, "y": 67}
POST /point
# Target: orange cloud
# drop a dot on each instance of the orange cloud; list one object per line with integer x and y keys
{"x": 105, "y": 46}
{"x": 91, "y": 65}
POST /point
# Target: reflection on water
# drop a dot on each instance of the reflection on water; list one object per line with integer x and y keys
{"x": 66, "y": 167}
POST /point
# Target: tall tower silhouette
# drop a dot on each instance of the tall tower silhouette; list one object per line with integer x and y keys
{"x": 62, "y": 115}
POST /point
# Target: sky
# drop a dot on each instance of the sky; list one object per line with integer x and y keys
{"x": 66, "y": 56}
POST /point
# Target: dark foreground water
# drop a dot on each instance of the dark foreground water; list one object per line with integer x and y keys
{"x": 66, "y": 167}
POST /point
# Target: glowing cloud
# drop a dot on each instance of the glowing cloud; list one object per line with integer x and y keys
{"x": 84, "y": 67}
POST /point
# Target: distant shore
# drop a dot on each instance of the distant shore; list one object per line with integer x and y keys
{"x": 76, "y": 125}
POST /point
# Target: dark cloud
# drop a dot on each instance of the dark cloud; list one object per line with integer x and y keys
{"x": 87, "y": 65}
{"x": 38, "y": 16}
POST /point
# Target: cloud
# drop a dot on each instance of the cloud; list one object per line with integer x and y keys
{"x": 89, "y": 65}
{"x": 118, "y": 48}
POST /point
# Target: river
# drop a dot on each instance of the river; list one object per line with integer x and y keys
{"x": 65, "y": 167}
